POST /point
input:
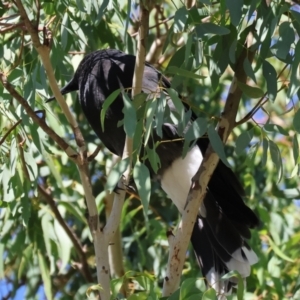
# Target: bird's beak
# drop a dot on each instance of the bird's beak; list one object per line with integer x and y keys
{"x": 69, "y": 87}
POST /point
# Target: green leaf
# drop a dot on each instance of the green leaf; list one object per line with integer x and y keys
{"x": 250, "y": 91}
{"x": 153, "y": 158}
{"x": 2, "y": 261}
{"x": 180, "y": 18}
{"x": 64, "y": 245}
{"x": 31, "y": 165}
{"x": 13, "y": 156}
{"x": 149, "y": 114}
{"x": 64, "y": 31}
{"x": 45, "y": 275}
{"x": 26, "y": 207}
{"x": 286, "y": 38}
{"x": 235, "y": 11}
{"x": 271, "y": 79}
{"x": 276, "y": 158}
{"x": 184, "y": 73}
{"x": 294, "y": 78}
{"x": 243, "y": 141}
{"x": 93, "y": 288}
{"x": 195, "y": 131}
{"x": 180, "y": 109}
{"x": 116, "y": 173}
{"x": 214, "y": 73}
{"x": 26, "y": 256}
{"x": 217, "y": 144}
{"x": 296, "y": 121}
{"x": 210, "y": 28}
{"x": 111, "y": 98}
{"x": 295, "y": 149}
{"x": 159, "y": 114}
{"x": 248, "y": 69}
{"x": 142, "y": 180}
{"x": 102, "y": 9}
{"x": 276, "y": 128}
{"x": 265, "y": 145}
{"x": 232, "y": 51}
{"x": 189, "y": 288}
{"x": 277, "y": 250}
{"x": 130, "y": 119}
{"x": 210, "y": 294}
{"x": 240, "y": 283}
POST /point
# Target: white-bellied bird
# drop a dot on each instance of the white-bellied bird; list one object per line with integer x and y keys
{"x": 224, "y": 221}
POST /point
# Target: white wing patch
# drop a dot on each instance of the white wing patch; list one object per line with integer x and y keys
{"x": 176, "y": 180}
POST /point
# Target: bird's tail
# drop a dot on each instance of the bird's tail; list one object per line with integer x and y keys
{"x": 220, "y": 232}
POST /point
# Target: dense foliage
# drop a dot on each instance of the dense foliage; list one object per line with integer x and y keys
{"x": 45, "y": 239}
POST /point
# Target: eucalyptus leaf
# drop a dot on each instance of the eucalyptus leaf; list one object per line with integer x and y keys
{"x": 142, "y": 180}
{"x": 217, "y": 144}
{"x": 250, "y": 91}
{"x": 130, "y": 119}
{"x": 116, "y": 173}
{"x": 271, "y": 79}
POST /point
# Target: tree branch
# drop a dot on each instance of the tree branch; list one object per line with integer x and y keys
{"x": 81, "y": 159}
{"x": 111, "y": 227}
{"x": 197, "y": 192}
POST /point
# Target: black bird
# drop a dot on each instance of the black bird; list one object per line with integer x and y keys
{"x": 224, "y": 221}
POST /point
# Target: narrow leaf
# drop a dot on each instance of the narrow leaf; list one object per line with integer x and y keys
{"x": 45, "y": 275}
{"x": 276, "y": 128}
{"x": 159, "y": 114}
{"x": 296, "y": 121}
{"x": 248, "y": 69}
{"x": 235, "y": 11}
{"x": 278, "y": 251}
{"x": 184, "y": 73}
{"x": 111, "y": 98}
{"x": 25, "y": 260}
{"x": 116, "y": 173}
{"x": 250, "y": 91}
{"x": 153, "y": 159}
{"x": 243, "y": 141}
{"x": 210, "y": 294}
{"x": 177, "y": 103}
{"x": 206, "y": 28}
{"x": 217, "y": 144}
{"x": 295, "y": 149}
{"x": 195, "y": 131}
{"x": 142, "y": 180}
{"x": 271, "y": 79}
{"x": 149, "y": 114}
{"x": 240, "y": 283}
{"x": 180, "y": 19}
{"x": 265, "y": 145}
{"x": 130, "y": 119}
{"x": 64, "y": 31}
{"x": 276, "y": 158}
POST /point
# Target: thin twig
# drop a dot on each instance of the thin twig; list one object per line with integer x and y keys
{"x": 95, "y": 153}
{"x": 11, "y": 27}
{"x": 9, "y": 17}
{"x": 9, "y": 131}
{"x": 160, "y": 23}
{"x": 262, "y": 101}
